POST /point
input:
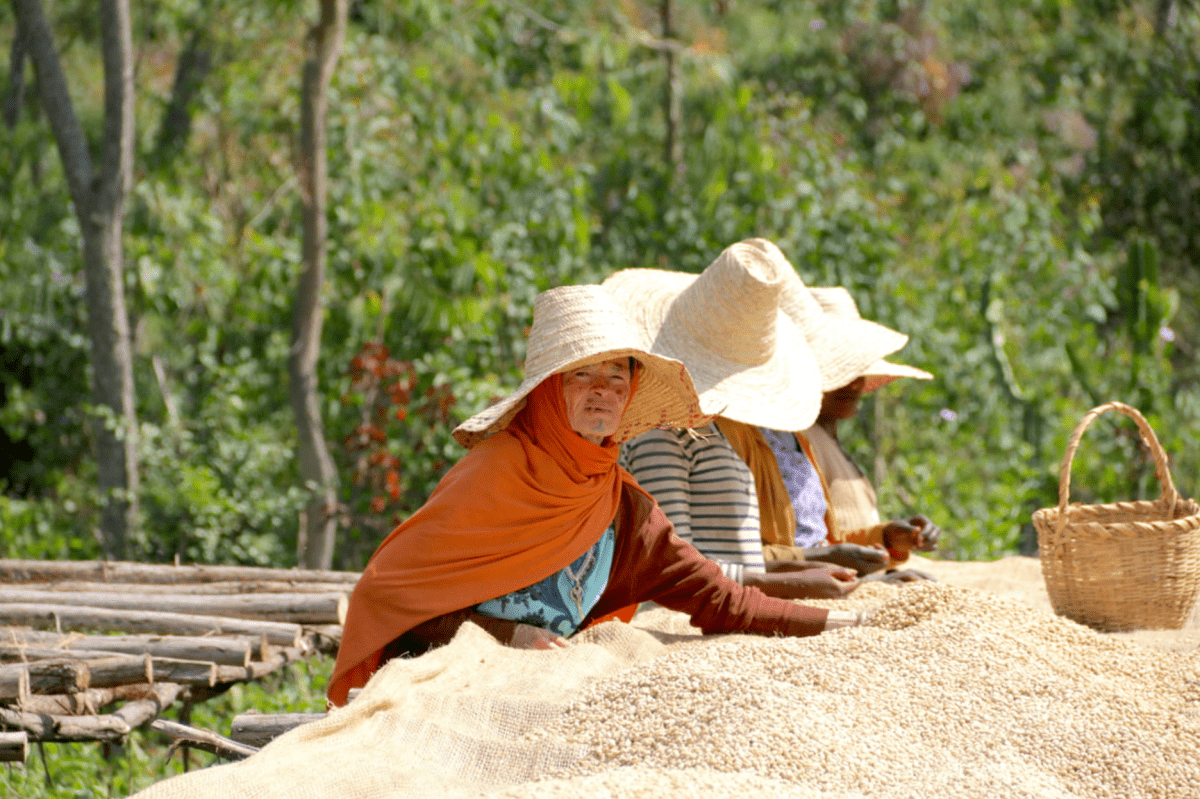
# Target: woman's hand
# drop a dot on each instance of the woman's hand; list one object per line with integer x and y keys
{"x": 774, "y": 566}
{"x": 916, "y": 532}
{"x": 862, "y": 559}
{"x": 823, "y": 581}
{"x": 845, "y": 618}
{"x": 526, "y": 636}
{"x": 897, "y": 576}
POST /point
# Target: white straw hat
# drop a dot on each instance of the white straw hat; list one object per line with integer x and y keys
{"x": 579, "y": 325}
{"x": 749, "y": 362}
{"x": 844, "y": 347}
{"x": 838, "y": 303}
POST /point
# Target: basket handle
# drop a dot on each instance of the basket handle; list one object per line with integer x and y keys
{"x": 1161, "y": 469}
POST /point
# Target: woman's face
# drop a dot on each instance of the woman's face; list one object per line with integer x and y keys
{"x": 842, "y": 403}
{"x": 596, "y": 396}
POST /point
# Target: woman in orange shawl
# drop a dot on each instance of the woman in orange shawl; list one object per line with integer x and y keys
{"x": 539, "y": 497}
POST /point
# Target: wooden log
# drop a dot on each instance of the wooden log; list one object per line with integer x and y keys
{"x": 85, "y": 703}
{"x": 203, "y": 739}
{"x": 27, "y": 654}
{"x": 57, "y": 617}
{"x": 14, "y": 747}
{"x": 113, "y": 670}
{"x": 297, "y": 608}
{"x": 259, "y": 729}
{"x": 225, "y": 651}
{"x": 279, "y": 657}
{"x": 49, "y": 677}
{"x": 227, "y": 587}
{"x": 25, "y": 571}
{"x": 325, "y": 638}
{"x": 63, "y": 676}
{"x": 187, "y": 672}
{"x": 43, "y": 727}
{"x": 112, "y": 727}
{"x": 139, "y": 711}
{"x": 14, "y": 685}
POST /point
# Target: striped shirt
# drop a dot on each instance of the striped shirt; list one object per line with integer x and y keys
{"x": 705, "y": 489}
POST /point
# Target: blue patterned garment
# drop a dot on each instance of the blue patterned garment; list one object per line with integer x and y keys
{"x": 803, "y": 486}
{"x": 561, "y": 601}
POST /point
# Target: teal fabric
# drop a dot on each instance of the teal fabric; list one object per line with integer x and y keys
{"x": 563, "y": 600}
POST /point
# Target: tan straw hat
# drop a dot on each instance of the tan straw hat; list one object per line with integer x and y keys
{"x": 749, "y": 362}
{"x": 844, "y": 347}
{"x": 838, "y": 303}
{"x": 579, "y": 325}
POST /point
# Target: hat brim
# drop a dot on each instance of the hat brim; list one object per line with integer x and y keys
{"x": 665, "y": 397}
{"x": 782, "y": 392}
{"x": 882, "y": 372}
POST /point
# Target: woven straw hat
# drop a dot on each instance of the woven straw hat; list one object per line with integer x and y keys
{"x": 575, "y": 326}
{"x": 837, "y": 302}
{"x": 844, "y": 347}
{"x": 749, "y": 362}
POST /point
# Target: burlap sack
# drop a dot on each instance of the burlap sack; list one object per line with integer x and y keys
{"x": 449, "y": 721}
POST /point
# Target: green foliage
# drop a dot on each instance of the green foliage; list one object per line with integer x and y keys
{"x": 1007, "y": 183}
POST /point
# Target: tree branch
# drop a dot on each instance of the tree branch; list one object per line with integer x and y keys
{"x": 56, "y": 100}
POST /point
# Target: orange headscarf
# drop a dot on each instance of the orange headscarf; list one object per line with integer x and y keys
{"x": 521, "y": 505}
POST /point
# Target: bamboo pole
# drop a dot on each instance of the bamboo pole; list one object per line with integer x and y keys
{"x": 57, "y": 617}
{"x": 23, "y": 571}
{"x": 224, "y": 650}
{"x": 295, "y": 608}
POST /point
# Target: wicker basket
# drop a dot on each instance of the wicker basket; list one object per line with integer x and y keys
{"x": 1123, "y": 565}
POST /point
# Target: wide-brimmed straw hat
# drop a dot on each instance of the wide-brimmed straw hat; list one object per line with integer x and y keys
{"x": 575, "y": 326}
{"x": 748, "y": 361}
{"x": 837, "y": 302}
{"x": 845, "y": 347}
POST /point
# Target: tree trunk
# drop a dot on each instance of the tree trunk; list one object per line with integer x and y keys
{"x": 14, "y": 96}
{"x": 319, "y": 523}
{"x": 193, "y": 66}
{"x": 672, "y": 99}
{"x": 99, "y": 198}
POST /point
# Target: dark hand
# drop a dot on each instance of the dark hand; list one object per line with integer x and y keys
{"x": 833, "y": 582}
{"x": 898, "y": 576}
{"x": 930, "y": 532}
{"x": 861, "y": 559}
{"x": 775, "y": 566}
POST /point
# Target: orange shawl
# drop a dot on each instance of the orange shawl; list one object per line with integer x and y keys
{"x": 521, "y": 505}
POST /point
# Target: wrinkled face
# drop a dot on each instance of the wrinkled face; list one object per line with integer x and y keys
{"x": 842, "y": 403}
{"x": 596, "y": 396}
